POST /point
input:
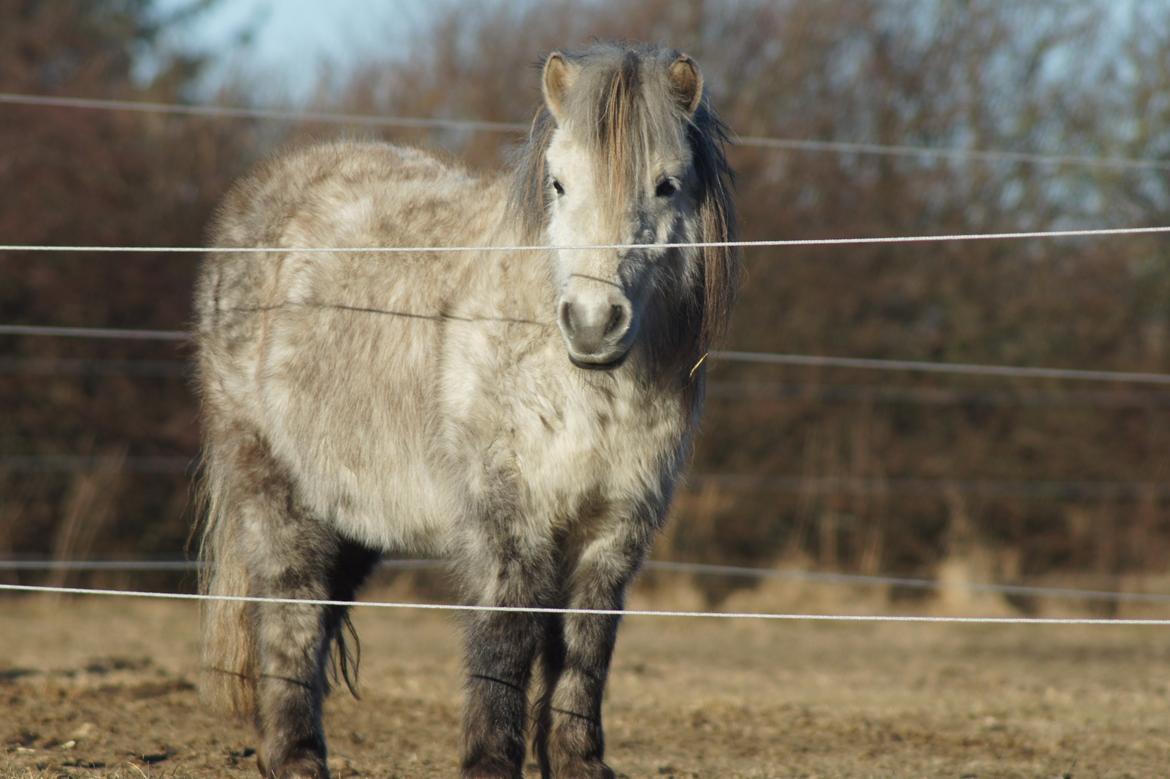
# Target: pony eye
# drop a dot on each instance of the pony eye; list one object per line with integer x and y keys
{"x": 556, "y": 185}
{"x": 666, "y": 188}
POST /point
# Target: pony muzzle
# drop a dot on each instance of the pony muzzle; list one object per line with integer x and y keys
{"x": 598, "y": 326}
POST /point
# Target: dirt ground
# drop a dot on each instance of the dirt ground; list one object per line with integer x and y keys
{"x": 104, "y": 687}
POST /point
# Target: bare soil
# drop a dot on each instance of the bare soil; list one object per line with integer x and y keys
{"x": 105, "y": 687}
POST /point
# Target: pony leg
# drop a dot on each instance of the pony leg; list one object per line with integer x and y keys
{"x": 292, "y": 553}
{"x": 570, "y": 741}
{"x": 295, "y": 642}
{"x": 500, "y": 650}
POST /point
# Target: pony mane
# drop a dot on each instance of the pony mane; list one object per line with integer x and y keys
{"x": 622, "y": 100}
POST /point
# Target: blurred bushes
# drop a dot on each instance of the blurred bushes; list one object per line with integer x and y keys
{"x": 877, "y": 472}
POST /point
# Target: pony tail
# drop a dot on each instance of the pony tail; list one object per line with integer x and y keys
{"x": 230, "y": 651}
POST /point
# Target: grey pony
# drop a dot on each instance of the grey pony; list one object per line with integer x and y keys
{"x": 523, "y": 414}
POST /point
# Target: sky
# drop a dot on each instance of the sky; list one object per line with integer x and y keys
{"x": 293, "y": 39}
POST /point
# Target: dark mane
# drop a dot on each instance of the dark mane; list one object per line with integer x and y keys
{"x": 721, "y": 264}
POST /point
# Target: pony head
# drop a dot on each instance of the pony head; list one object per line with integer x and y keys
{"x": 627, "y": 151}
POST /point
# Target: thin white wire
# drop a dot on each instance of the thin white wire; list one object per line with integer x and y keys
{"x": 736, "y": 356}
{"x": 825, "y": 577}
{"x": 881, "y": 393}
{"x": 915, "y": 485}
{"x": 767, "y": 358}
{"x": 717, "y": 389}
{"x": 100, "y": 565}
{"x": 590, "y": 612}
{"x": 766, "y": 142}
{"x": 73, "y": 463}
{"x": 702, "y": 569}
{"x": 895, "y": 393}
{"x": 96, "y": 332}
{"x": 1067, "y": 489}
{"x": 166, "y": 565}
{"x": 763, "y": 244}
{"x": 1054, "y": 489}
{"x": 230, "y": 112}
{"x": 982, "y": 155}
{"x": 54, "y": 366}
{"x": 968, "y": 369}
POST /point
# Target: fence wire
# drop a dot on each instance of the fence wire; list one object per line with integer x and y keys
{"x": 768, "y": 243}
{"x": 663, "y": 566}
{"x": 476, "y": 608}
{"x": 759, "y": 358}
{"x": 515, "y": 128}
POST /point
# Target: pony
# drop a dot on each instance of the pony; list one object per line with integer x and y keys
{"x": 522, "y": 413}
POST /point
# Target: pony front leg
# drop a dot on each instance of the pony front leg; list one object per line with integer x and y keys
{"x": 577, "y": 654}
{"x": 570, "y": 739}
{"x": 500, "y": 652}
{"x": 501, "y": 648}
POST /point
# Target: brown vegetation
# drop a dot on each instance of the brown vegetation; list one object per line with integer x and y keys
{"x": 876, "y": 472}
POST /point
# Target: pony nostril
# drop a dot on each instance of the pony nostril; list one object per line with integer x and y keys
{"x": 617, "y": 318}
{"x": 566, "y": 317}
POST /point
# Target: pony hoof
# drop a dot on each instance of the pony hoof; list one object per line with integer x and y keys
{"x": 303, "y": 767}
{"x": 491, "y": 769}
{"x": 589, "y": 769}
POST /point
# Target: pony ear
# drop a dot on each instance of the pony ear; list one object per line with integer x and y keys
{"x": 558, "y": 78}
{"x": 686, "y": 81}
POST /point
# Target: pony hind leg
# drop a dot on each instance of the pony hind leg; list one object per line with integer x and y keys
{"x": 295, "y": 643}
{"x": 280, "y": 549}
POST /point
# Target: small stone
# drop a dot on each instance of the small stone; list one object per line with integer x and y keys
{"x": 86, "y": 730}
{"x": 340, "y": 765}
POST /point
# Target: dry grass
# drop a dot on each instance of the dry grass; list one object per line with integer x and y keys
{"x": 687, "y": 699}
